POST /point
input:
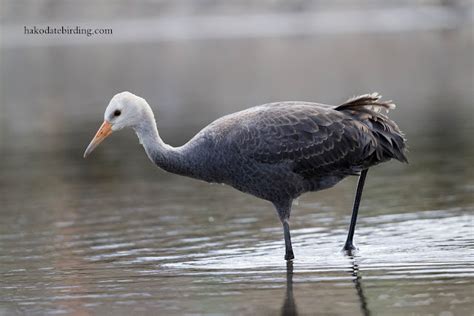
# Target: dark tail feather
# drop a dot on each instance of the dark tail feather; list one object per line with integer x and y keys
{"x": 367, "y": 109}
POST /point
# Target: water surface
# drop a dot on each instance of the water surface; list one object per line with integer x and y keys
{"x": 114, "y": 235}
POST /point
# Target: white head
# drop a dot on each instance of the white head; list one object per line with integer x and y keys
{"x": 124, "y": 110}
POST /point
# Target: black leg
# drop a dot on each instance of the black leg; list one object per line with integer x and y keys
{"x": 349, "y": 245}
{"x": 284, "y": 209}
{"x": 288, "y": 248}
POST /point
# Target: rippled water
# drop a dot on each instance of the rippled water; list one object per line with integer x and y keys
{"x": 113, "y": 234}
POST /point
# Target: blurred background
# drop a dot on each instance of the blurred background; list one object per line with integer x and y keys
{"x": 79, "y": 236}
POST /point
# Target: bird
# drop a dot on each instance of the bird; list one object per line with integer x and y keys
{"x": 275, "y": 151}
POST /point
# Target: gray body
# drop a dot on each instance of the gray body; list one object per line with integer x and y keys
{"x": 279, "y": 151}
{"x": 274, "y": 151}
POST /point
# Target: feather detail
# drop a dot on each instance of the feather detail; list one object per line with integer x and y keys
{"x": 369, "y": 101}
{"x": 367, "y": 109}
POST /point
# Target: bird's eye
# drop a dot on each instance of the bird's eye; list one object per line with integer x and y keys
{"x": 117, "y": 113}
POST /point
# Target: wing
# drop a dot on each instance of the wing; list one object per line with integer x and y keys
{"x": 313, "y": 139}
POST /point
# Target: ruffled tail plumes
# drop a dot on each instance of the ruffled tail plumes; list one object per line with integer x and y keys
{"x": 367, "y": 109}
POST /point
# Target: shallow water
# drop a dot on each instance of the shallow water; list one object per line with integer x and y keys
{"x": 113, "y": 234}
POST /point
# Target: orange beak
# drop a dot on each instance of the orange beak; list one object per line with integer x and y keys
{"x": 104, "y": 131}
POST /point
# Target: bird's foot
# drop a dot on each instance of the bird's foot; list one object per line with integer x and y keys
{"x": 349, "y": 249}
{"x": 289, "y": 256}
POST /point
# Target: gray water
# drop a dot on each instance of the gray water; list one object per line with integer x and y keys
{"x": 114, "y": 234}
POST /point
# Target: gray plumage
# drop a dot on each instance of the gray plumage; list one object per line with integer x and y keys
{"x": 281, "y": 150}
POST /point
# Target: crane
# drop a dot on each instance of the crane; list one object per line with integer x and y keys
{"x": 274, "y": 151}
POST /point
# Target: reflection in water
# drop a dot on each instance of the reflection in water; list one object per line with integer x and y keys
{"x": 358, "y": 286}
{"x": 289, "y": 304}
{"x": 289, "y": 307}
